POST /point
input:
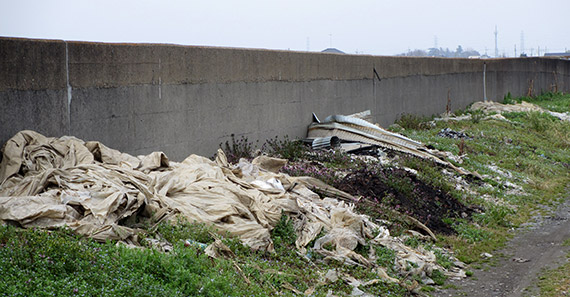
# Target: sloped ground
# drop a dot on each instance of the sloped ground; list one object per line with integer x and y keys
{"x": 420, "y": 200}
{"x": 516, "y": 269}
{"x": 524, "y": 162}
{"x": 523, "y": 156}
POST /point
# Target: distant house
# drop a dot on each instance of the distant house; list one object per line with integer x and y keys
{"x": 332, "y": 51}
{"x": 565, "y": 55}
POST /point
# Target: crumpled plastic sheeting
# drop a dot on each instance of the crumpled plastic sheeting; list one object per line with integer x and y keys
{"x": 490, "y": 106}
{"x": 103, "y": 193}
{"x": 424, "y": 261}
{"x": 96, "y": 191}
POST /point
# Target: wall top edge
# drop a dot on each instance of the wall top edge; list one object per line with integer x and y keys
{"x": 54, "y": 64}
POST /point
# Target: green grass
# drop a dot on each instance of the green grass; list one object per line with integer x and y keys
{"x": 556, "y": 282}
{"x": 438, "y": 277}
{"x": 534, "y": 147}
{"x": 557, "y": 102}
{"x": 412, "y": 121}
{"x": 58, "y": 263}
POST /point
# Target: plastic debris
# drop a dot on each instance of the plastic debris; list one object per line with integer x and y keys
{"x": 325, "y": 142}
{"x": 447, "y": 132}
{"x": 98, "y": 192}
{"x": 355, "y": 129}
{"x": 190, "y": 242}
{"x": 491, "y": 106}
{"x": 520, "y": 260}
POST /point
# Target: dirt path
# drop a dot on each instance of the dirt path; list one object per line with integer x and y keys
{"x": 536, "y": 247}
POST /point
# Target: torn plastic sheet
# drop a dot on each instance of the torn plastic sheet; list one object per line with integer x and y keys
{"x": 101, "y": 192}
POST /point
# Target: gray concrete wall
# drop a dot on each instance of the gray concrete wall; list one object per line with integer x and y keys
{"x": 141, "y": 98}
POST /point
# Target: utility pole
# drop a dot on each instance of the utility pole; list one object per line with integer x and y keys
{"x": 522, "y": 42}
{"x": 515, "y": 50}
{"x": 496, "y": 43}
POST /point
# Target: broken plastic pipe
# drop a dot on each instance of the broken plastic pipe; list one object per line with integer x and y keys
{"x": 325, "y": 142}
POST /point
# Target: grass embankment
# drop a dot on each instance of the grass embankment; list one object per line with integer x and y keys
{"x": 525, "y": 163}
{"x": 532, "y": 151}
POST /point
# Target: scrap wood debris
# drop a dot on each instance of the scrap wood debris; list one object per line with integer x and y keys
{"x": 101, "y": 193}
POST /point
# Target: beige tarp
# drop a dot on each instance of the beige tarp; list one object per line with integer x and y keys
{"x": 91, "y": 188}
{"x": 105, "y": 194}
{"x": 490, "y": 106}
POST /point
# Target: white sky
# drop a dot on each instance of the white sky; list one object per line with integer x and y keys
{"x": 372, "y": 27}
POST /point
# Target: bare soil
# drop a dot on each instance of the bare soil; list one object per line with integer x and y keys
{"x": 405, "y": 192}
{"x": 514, "y": 270}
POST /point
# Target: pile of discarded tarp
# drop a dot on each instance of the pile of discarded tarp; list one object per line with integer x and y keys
{"x": 490, "y": 106}
{"x": 496, "y": 109}
{"x": 105, "y": 194}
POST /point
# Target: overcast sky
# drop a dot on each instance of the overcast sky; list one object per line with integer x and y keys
{"x": 371, "y": 27}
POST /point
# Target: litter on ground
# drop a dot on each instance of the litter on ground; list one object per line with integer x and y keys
{"x": 353, "y": 128}
{"x": 490, "y": 106}
{"x": 105, "y": 194}
{"x": 493, "y": 111}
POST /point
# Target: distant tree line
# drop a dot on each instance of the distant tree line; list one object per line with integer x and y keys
{"x": 440, "y": 52}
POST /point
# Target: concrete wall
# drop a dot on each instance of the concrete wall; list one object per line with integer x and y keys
{"x": 140, "y": 98}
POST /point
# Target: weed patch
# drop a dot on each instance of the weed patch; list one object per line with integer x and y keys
{"x": 285, "y": 148}
{"x": 413, "y": 122}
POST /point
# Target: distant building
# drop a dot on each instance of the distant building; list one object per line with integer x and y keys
{"x": 485, "y": 56}
{"x": 332, "y": 51}
{"x": 565, "y": 55}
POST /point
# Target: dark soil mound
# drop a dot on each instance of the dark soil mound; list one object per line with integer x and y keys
{"x": 404, "y": 192}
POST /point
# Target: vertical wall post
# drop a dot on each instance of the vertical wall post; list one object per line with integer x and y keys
{"x": 484, "y": 81}
{"x": 69, "y": 89}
